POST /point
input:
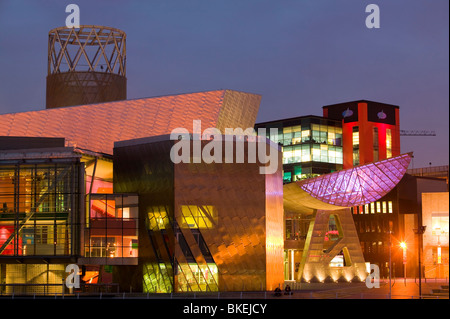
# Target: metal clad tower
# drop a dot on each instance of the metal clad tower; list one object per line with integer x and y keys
{"x": 86, "y": 65}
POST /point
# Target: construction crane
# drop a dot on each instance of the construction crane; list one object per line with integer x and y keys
{"x": 417, "y": 133}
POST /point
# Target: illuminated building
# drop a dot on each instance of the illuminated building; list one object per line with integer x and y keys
{"x": 326, "y": 246}
{"x": 102, "y": 231}
{"x": 370, "y": 130}
{"x": 41, "y": 195}
{"x": 203, "y": 227}
{"x": 435, "y": 215}
{"x": 312, "y": 145}
{"x": 94, "y": 185}
{"x": 365, "y": 132}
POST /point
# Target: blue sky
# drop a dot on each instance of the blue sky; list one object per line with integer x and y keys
{"x": 298, "y": 54}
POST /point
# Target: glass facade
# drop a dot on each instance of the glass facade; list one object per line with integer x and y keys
{"x": 197, "y": 231}
{"x": 311, "y": 146}
{"x": 111, "y": 228}
{"x": 39, "y": 209}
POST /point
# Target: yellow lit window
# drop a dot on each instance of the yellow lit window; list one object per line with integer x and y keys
{"x": 198, "y": 216}
{"x": 306, "y": 133}
{"x": 378, "y": 207}
{"x": 366, "y": 208}
{"x": 157, "y": 218}
{"x": 388, "y": 143}
{"x": 390, "y": 207}
{"x": 287, "y": 129}
{"x": 384, "y": 208}
{"x": 356, "y": 138}
{"x": 372, "y": 208}
{"x": 296, "y": 128}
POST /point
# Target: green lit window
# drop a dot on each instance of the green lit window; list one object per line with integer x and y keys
{"x": 195, "y": 277}
{"x": 287, "y": 177}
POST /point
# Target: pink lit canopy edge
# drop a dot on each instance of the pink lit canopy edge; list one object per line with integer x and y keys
{"x": 358, "y": 185}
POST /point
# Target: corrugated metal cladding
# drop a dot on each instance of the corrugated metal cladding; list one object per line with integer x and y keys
{"x": 95, "y": 127}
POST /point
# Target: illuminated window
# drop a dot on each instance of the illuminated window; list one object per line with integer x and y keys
{"x": 296, "y": 128}
{"x": 355, "y": 139}
{"x": 288, "y": 155}
{"x": 306, "y": 153}
{"x": 112, "y": 227}
{"x": 316, "y": 153}
{"x": 390, "y": 207}
{"x": 378, "y": 207}
{"x": 194, "y": 216}
{"x": 287, "y": 177}
{"x": 297, "y": 155}
{"x": 372, "y": 208}
{"x": 324, "y": 153}
{"x": 194, "y": 277}
{"x": 439, "y": 223}
{"x": 156, "y": 278}
{"x": 306, "y": 135}
{"x": 366, "y": 208}
{"x": 388, "y": 143}
{"x": 384, "y": 208}
{"x": 157, "y": 218}
{"x": 331, "y": 138}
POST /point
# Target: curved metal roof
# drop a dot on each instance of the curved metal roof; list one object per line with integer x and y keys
{"x": 351, "y": 187}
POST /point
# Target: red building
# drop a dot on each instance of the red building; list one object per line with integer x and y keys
{"x": 370, "y": 130}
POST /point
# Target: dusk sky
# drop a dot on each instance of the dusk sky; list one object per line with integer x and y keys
{"x": 298, "y": 54}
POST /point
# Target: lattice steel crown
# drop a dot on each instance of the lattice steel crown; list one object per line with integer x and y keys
{"x": 88, "y": 48}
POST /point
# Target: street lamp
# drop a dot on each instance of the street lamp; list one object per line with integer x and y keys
{"x": 419, "y": 231}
